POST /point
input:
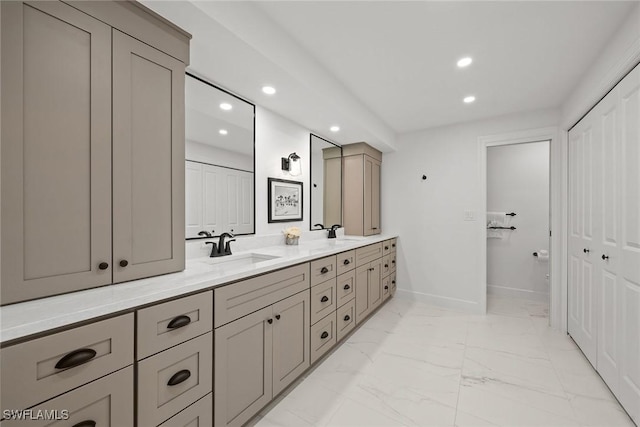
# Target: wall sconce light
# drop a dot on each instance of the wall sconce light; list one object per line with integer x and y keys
{"x": 292, "y": 164}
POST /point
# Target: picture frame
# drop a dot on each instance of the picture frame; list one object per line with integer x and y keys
{"x": 285, "y": 200}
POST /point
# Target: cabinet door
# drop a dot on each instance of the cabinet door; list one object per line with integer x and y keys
{"x": 243, "y": 363}
{"x": 375, "y": 284}
{"x": 371, "y": 196}
{"x": 56, "y": 150}
{"x": 194, "y": 199}
{"x": 363, "y": 307}
{"x": 290, "y": 340}
{"x": 148, "y": 160}
{"x": 238, "y": 201}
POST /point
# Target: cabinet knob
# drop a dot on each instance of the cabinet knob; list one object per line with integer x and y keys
{"x": 124, "y": 263}
{"x": 269, "y": 321}
{"x": 85, "y": 423}
{"x": 347, "y": 318}
{"x": 386, "y": 287}
{"x": 179, "y": 322}
{"x": 179, "y": 377}
{"x": 393, "y": 261}
{"x": 346, "y": 262}
{"x": 277, "y": 317}
{"x": 374, "y": 228}
{"x": 103, "y": 265}
{"x": 393, "y": 282}
{"x": 347, "y": 287}
{"x": 371, "y": 269}
{"x": 76, "y": 358}
{"x": 586, "y": 251}
{"x": 393, "y": 245}
{"x": 324, "y": 299}
{"x": 386, "y": 248}
{"x": 605, "y": 256}
{"x": 324, "y": 270}
{"x": 324, "y": 335}
{"x": 386, "y": 266}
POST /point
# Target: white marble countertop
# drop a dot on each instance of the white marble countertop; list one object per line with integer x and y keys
{"x": 21, "y": 320}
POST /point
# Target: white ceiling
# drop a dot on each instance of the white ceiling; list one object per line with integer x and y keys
{"x": 385, "y": 67}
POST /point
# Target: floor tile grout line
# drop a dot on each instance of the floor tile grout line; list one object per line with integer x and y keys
{"x": 464, "y": 357}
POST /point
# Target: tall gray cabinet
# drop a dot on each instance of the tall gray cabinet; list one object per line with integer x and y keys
{"x": 361, "y": 189}
{"x": 92, "y": 153}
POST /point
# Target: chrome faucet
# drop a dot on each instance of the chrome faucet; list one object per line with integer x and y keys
{"x": 332, "y": 231}
{"x": 222, "y": 248}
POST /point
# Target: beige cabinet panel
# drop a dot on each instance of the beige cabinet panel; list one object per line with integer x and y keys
{"x": 345, "y": 261}
{"x": 107, "y": 402}
{"x": 323, "y": 269}
{"x": 345, "y": 319}
{"x": 393, "y": 261}
{"x": 323, "y": 337}
{"x": 371, "y": 196}
{"x": 290, "y": 340}
{"x": 386, "y": 288}
{"x": 362, "y": 293}
{"x": 37, "y": 370}
{"x": 393, "y": 283}
{"x": 375, "y": 284}
{"x": 200, "y": 414}
{"x": 361, "y": 168}
{"x": 173, "y": 379}
{"x": 346, "y": 287}
{"x": 368, "y": 253}
{"x": 386, "y": 265}
{"x": 171, "y": 323}
{"x": 246, "y": 296}
{"x": 243, "y": 368}
{"x": 148, "y": 155}
{"x": 323, "y": 300}
{"x": 56, "y": 150}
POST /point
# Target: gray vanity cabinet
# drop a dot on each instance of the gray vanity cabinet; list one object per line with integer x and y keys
{"x": 368, "y": 289}
{"x": 257, "y": 356}
{"x": 65, "y": 69}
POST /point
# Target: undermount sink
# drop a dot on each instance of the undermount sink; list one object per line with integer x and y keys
{"x": 240, "y": 260}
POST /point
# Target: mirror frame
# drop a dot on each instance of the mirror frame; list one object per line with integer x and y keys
{"x": 208, "y": 83}
{"x": 311, "y": 135}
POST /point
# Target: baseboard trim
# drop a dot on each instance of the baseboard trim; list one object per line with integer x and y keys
{"x": 441, "y": 301}
{"x": 505, "y": 291}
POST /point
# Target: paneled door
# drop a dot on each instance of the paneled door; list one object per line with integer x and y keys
{"x": 628, "y": 254}
{"x": 148, "y": 160}
{"x": 56, "y": 150}
{"x": 581, "y": 288}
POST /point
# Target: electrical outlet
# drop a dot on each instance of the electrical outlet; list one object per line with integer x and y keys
{"x": 469, "y": 216}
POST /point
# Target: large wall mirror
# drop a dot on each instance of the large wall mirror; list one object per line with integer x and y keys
{"x": 219, "y": 153}
{"x": 326, "y": 183}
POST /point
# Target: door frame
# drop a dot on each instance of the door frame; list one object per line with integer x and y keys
{"x": 557, "y": 217}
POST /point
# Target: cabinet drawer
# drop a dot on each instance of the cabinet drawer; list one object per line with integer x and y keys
{"x": 368, "y": 253}
{"x": 239, "y": 299}
{"x": 200, "y": 414}
{"x": 386, "y": 287}
{"x": 346, "y": 287}
{"x": 107, "y": 402}
{"x": 393, "y": 284}
{"x": 189, "y": 365}
{"x": 386, "y": 265}
{"x": 323, "y": 300}
{"x": 323, "y": 270}
{"x": 323, "y": 336}
{"x": 394, "y": 244}
{"x": 169, "y": 324}
{"x": 393, "y": 261}
{"x": 386, "y": 247}
{"x": 345, "y": 319}
{"x": 29, "y": 373}
{"x": 346, "y": 261}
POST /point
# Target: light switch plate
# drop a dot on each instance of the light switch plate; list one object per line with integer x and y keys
{"x": 469, "y": 215}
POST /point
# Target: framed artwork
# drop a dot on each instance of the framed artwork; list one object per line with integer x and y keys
{"x": 285, "y": 200}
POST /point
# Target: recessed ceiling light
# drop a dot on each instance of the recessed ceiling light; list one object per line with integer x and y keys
{"x": 464, "y": 62}
{"x": 269, "y": 90}
{"x": 469, "y": 99}
{"x": 226, "y": 106}
{"x": 223, "y": 132}
{"x": 334, "y": 128}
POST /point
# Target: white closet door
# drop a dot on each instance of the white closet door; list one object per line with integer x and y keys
{"x": 239, "y": 201}
{"x": 582, "y": 296}
{"x": 213, "y": 195}
{"x": 628, "y": 255}
{"x": 193, "y": 199}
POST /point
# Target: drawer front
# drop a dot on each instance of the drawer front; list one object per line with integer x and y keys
{"x": 386, "y": 265}
{"x": 386, "y": 247}
{"x": 346, "y": 261}
{"x": 189, "y": 365}
{"x": 393, "y": 284}
{"x": 346, "y": 287}
{"x": 174, "y": 322}
{"x": 107, "y": 402}
{"x": 29, "y": 373}
{"x": 394, "y": 244}
{"x": 346, "y": 319}
{"x": 393, "y": 261}
{"x": 386, "y": 287}
{"x": 200, "y": 414}
{"x": 323, "y": 270}
{"x": 323, "y": 300}
{"x": 368, "y": 254}
{"x": 323, "y": 336}
{"x": 239, "y": 299}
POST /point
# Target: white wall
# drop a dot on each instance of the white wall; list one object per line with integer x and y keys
{"x": 518, "y": 181}
{"x": 199, "y": 152}
{"x": 439, "y": 259}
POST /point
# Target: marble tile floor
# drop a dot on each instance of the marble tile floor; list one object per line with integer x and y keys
{"x": 413, "y": 364}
